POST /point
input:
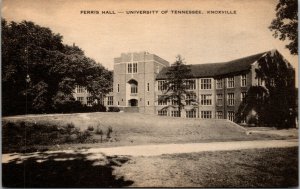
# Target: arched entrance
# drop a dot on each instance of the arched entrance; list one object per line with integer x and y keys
{"x": 133, "y": 102}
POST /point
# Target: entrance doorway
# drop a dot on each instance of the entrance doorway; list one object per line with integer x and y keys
{"x": 133, "y": 102}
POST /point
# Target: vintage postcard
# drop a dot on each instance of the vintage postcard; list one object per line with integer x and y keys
{"x": 149, "y": 93}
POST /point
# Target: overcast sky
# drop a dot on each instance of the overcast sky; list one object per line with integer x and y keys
{"x": 200, "y": 38}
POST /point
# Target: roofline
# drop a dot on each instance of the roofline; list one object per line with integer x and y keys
{"x": 224, "y": 63}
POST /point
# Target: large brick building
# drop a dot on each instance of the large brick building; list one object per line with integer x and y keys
{"x": 134, "y": 81}
{"x": 219, "y": 87}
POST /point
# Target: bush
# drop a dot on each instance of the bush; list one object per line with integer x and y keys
{"x": 90, "y": 128}
{"x": 113, "y": 109}
{"x": 109, "y": 131}
{"x": 99, "y": 131}
{"x": 70, "y": 125}
{"x": 84, "y": 136}
{"x": 20, "y": 136}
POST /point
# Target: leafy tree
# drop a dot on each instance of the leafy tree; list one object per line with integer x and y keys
{"x": 39, "y": 72}
{"x": 176, "y": 85}
{"x": 285, "y": 25}
{"x": 275, "y": 101}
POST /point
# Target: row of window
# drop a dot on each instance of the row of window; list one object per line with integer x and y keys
{"x": 80, "y": 89}
{"x": 207, "y": 83}
{"x": 89, "y": 100}
{"x": 231, "y": 82}
{"x": 205, "y": 99}
{"x": 191, "y": 84}
{"x": 193, "y": 114}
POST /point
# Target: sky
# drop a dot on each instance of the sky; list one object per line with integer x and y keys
{"x": 198, "y": 38}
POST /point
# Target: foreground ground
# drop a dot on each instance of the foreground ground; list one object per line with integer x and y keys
{"x": 135, "y": 129}
{"x": 268, "y": 167}
{"x": 242, "y": 168}
{"x": 144, "y": 151}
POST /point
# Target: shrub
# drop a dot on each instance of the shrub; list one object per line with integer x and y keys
{"x": 99, "y": 131}
{"x": 20, "y": 136}
{"x": 70, "y": 125}
{"x": 84, "y": 136}
{"x": 68, "y": 128}
{"x": 109, "y": 131}
{"x": 90, "y": 128}
{"x": 113, "y": 109}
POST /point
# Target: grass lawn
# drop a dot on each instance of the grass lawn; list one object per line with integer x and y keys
{"x": 135, "y": 129}
{"x": 242, "y": 168}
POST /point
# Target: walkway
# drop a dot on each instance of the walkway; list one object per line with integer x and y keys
{"x": 155, "y": 150}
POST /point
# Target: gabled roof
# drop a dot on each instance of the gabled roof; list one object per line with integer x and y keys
{"x": 218, "y": 69}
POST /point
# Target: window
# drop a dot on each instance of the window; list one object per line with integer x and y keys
{"x": 148, "y": 87}
{"x": 174, "y": 101}
{"x": 161, "y": 101}
{"x": 231, "y": 115}
{"x": 243, "y": 80}
{"x": 129, "y": 68}
{"x": 206, "y": 115}
{"x": 118, "y": 88}
{"x": 206, "y": 99}
{"x": 190, "y": 98}
{"x": 80, "y": 99}
{"x": 260, "y": 82}
{"x": 134, "y": 69}
{"x": 191, "y": 113}
{"x": 272, "y": 82}
{"x": 175, "y": 113}
{"x": 134, "y": 88}
{"x": 162, "y": 112}
{"x": 243, "y": 96}
{"x": 190, "y": 84}
{"x": 90, "y": 101}
{"x": 110, "y": 100}
{"x": 161, "y": 85}
{"x": 219, "y": 84}
{"x": 219, "y": 115}
{"x": 230, "y": 98}
{"x": 118, "y": 103}
{"x": 205, "y": 83}
{"x": 219, "y": 99}
{"x": 230, "y": 82}
{"x": 148, "y": 103}
{"x": 80, "y": 89}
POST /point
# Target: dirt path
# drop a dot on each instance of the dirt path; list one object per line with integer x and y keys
{"x": 159, "y": 149}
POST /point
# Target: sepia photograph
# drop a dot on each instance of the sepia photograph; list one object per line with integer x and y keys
{"x": 149, "y": 93}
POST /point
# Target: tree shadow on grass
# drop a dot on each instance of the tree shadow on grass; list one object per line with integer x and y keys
{"x": 64, "y": 170}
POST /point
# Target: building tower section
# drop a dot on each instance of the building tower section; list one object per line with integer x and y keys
{"x": 134, "y": 81}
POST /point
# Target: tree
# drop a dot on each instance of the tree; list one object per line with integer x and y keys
{"x": 275, "y": 101}
{"x": 39, "y": 72}
{"x": 177, "y": 85}
{"x": 285, "y": 25}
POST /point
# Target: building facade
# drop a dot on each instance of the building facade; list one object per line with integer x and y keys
{"x": 219, "y": 88}
{"x": 134, "y": 81}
